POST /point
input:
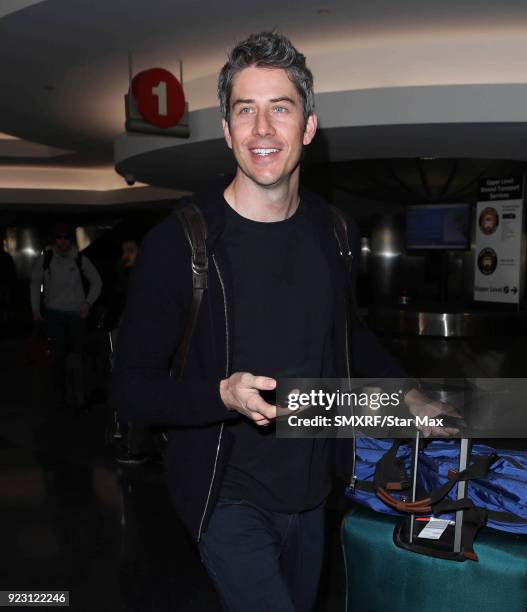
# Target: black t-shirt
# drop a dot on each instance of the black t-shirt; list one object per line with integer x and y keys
{"x": 282, "y": 326}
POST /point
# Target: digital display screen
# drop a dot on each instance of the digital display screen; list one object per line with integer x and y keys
{"x": 438, "y": 226}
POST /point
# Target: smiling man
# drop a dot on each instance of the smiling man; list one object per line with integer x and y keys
{"x": 266, "y": 126}
{"x": 276, "y": 306}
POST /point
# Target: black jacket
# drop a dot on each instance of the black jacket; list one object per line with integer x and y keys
{"x": 158, "y": 302}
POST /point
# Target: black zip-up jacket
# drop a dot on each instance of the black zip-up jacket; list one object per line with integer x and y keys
{"x": 159, "y": 297}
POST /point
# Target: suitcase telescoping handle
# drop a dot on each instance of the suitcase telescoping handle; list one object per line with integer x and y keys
{"x": 461, "y": 489}
{"x": 456, "y": 543}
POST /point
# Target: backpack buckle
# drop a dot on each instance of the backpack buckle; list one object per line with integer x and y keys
{"x": 199, "y": 274}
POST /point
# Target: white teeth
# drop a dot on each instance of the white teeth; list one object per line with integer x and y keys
{"x": 264, "y": 151}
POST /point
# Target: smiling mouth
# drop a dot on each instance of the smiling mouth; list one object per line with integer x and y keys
{"x": 264, "y": 152}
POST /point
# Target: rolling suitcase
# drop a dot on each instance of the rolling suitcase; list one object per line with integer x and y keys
{"x": 383, "y": 571}
{"x": 382, "y": 577}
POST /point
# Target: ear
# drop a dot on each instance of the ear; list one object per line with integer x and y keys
{"x": 227, "y": 133}
{"x": 311, "y": 128}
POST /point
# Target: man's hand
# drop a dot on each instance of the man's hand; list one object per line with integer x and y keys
{"x": 241, "y": 392}
{"x": 37, "y": 317}
{"x": 421, "y": 405}
{"x": 84, "y": 310}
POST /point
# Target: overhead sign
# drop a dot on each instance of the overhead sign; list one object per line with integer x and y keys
{"x": 159, "y": 97}
{"x": 499, "y": 223}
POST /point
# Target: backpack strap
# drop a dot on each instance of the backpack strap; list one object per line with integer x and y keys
{"x": 195, "y": 228}
{"x": 48, "y": 256}
{"x": 84, "y": 280}
{"x": 78, "y": 261}
{"x": 340, "y": 228}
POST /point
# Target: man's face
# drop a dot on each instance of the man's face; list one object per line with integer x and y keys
{"x": 267, "y": 128}
{"x": 63, "y": 242}
{"x": 488, "y": 221}
{"x": 487, "y": 263}
{"x": 128, "y": 253}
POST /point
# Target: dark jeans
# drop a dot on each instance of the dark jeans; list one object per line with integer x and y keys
{"x": 262, "y": 561}
{"x": 66, "y": 332}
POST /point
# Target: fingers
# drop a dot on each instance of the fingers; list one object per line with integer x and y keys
{"x": 257, "y": 404}
{"x": 443, "y": 432}
{"x": 260, "y": 420}
{"x": 450, "y": 410}
{"x": 425, "y": 431}
{"x": 241, "y": 392}
{"x": 263, "y": 383}
{"x": 438, "y": 432}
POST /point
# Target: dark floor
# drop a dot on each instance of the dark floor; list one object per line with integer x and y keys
{"x": 74, "y": 520}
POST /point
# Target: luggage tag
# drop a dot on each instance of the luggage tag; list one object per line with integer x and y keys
{"x": 434, "y": 528}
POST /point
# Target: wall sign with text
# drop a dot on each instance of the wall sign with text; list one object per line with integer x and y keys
{"x": 499, "y": 225}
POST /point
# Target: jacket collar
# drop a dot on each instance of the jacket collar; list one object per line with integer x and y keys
{"x": 212, "y": 204}
{"x": 71, "y": 254}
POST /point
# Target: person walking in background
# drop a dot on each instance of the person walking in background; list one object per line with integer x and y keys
{"x": 117, "y": 297}
{"x": 135, "y": 439}
{"x": 64, "y": 286}
{"x": 8, "y": 275}
{"x": 8, "y": 284}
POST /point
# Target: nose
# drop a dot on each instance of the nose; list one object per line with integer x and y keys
{"x": 263, "y": 125}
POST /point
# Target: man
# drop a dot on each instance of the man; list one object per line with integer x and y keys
{"x": 489, "y": 220}
{"x": 276, "y": 306}
{"x": 135, "y": 440}
{"x": 61, "y": 273}
{"x": 117, "y": 299}
{"x": 8, "y": 276}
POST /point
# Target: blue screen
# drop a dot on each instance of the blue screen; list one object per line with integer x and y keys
{"x": 438, "y": 226}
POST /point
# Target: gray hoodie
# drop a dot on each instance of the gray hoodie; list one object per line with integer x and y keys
{"x": 63, "y": 288}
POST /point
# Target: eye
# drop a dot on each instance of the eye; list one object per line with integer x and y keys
{"x": 245, "y": 110}
{"x": 280, "y": 109}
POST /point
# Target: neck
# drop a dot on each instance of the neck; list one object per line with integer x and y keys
{"x": 258, "y": 203}
{"x": 61, "y": 252}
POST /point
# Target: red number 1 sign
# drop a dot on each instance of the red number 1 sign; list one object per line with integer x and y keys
{"x": 159, "y": 97}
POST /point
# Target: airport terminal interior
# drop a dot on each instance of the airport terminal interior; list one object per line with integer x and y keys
{"x": 422, "y": 140}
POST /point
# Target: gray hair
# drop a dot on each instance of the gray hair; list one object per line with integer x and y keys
{"x": 267, "y": 50}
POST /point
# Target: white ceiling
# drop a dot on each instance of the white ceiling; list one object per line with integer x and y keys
{"x": 11, "y": 6}
{"x": 67, "y": 68}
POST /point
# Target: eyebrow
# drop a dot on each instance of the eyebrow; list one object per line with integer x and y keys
{"x": 283, "y": 99}
{"x": 272, "y": 100}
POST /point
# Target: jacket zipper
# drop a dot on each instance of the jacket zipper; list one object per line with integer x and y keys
{"x": 347, "y": 347}
{"x": 226, "y": 374}
{"x": 353, "y": 478}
